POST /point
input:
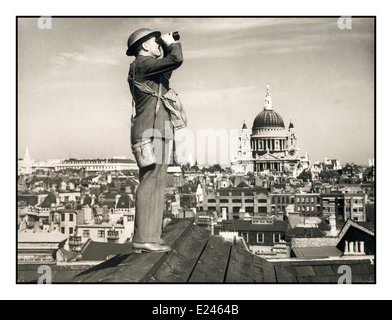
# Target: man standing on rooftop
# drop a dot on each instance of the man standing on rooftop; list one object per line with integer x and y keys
{"x": 156, "y": 57}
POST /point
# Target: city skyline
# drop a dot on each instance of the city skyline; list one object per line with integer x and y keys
{"x": 74, "y": 101}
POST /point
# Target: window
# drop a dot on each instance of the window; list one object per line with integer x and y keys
{"x": 71, "y": 231}
{"x": 130, "y": 218}
{"x": 249, "y": 209}
{"x": 101, "y": 233}
{"x": 249, "y": 201}
{"x": 71, "y": 216}
{"x": 62, "y": 230}
{"x": 224, "y": 201}
{"x": 260, "y": 237}
{"x": 262, "y": 200}
{"x": 277, "y": 238}
{"x": 86, "y": 233}
{"x": 245, "y": 236}
{"x": 63, "y": 217}
{"x": 211, "y": 200}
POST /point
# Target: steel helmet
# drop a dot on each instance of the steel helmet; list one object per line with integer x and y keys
{"x": 138, "y": 36}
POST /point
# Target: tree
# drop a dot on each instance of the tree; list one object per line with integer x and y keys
{"x": 325, "y": 175}
{"x": 328, "y": 175}
{"x": 305, "y": 175}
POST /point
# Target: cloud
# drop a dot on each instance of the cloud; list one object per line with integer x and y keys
{"x": 93, "y": 58}
{"x": 261, "y": 46}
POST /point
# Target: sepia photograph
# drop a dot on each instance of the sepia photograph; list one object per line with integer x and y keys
{"x": 196, "y": 150}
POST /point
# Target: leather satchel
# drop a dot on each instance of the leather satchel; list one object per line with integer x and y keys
{"x": 144, "y": 151}
{"x": 176, "y": 111}
{"x": 171, "y": 102}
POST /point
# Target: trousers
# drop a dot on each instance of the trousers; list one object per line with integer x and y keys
{"x": 150, "y": 195}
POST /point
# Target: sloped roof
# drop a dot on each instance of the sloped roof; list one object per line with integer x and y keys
{"x": 242, "y": 225}
{"x": 198, "y": 257}
{"x": 68, "y": 255}
{"x": 49, "y": 199}
{"x": 351, "y": 223}
{"x": 124, "y": 202}
{"x": 316, "y": 252}
{"x": 301, "y": 232}
{"x": 242, "y": 184}
{"x": 29, "y": 199}
{"x": 29, "y": 236}
{"x": 101, "y": 251}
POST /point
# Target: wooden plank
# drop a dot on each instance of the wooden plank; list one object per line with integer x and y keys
{"x": 136, "y": 267}
{"x": 240, "y": 268}
{"x": 212, "y": 265}
{"x": 182, "y": 260}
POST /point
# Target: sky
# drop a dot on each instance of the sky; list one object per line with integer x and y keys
{"x": 74, "y": 100}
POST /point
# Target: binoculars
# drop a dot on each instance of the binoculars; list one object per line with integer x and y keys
{"x": 175, "y": 35}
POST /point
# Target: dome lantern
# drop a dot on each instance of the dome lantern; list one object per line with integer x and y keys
{"x": 268, "y": 100}
{"x": 268, "y": 118}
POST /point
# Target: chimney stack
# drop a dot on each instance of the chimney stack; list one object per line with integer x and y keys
{"x": 332, "y": 222}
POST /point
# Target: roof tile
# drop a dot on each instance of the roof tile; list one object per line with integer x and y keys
{"x": 321, "y": 279}
{"x": 304, "y": 279}
{"x": 324, "y": 270}
{"x": 359, "y": 268}
{"x": 305, "y": 271}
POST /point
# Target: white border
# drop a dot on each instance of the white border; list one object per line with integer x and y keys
{"x": 206, "y": 292}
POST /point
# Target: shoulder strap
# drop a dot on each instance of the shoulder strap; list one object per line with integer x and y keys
{"x": 144, "y": 87}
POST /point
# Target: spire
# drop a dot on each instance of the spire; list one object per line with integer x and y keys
{"x": 27, "y": 155}
{"x": 268, "y": 100}
{"x": 244, "y": 126}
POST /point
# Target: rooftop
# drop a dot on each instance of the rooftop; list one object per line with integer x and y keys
{"x": 199, "y": 257}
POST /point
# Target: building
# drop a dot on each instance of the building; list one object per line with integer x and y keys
{"x": 241, "y": 164}
{"x": 25, "y": 165}
{"x": 65, "y": 220}
{"x": 37, "y": 246}
{"x": 270, "y": 147}
{"x": 94, "y": 165}
{"x": 115, "y": 225}
{"x": 308, "y": 203}
{"x": 265, "y": 236}
{"x": 352, "y": 240}
{"x": 344, "y": 206}
{"x": 236, "y": 201}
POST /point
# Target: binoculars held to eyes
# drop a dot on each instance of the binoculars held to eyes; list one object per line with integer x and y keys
{"x": 175, "y": 35}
